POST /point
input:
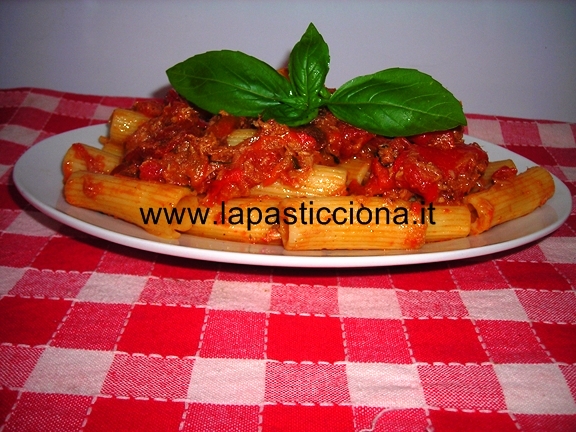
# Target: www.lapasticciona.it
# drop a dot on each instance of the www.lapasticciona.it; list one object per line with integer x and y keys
{"x": 305, "y": 214}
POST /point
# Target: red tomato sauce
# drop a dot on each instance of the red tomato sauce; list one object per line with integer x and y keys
{"x": 182, "y": 145}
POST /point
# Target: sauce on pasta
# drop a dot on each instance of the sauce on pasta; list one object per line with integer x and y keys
{"x": 181, "y": 145}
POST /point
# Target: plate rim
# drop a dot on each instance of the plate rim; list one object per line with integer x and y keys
{"x": 287, "y": 259}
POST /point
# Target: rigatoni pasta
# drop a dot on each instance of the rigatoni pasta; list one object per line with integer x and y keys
{"x": 510, "y": 199}
{"x": 351, "y": 223}
{"x": 155, "y": 207}
{"x": 325, "y": 186}
{"x": 321, "y": 181}
{"x": 82, "y": 157}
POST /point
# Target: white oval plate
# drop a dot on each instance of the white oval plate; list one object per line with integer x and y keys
{"x": 38, "y": 177}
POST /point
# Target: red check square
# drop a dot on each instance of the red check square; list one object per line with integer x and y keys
{"x": 306, "y": 383}
{"x": 451, "y": 421}
{"x": 183, "y": 268}
{"x": 462, "y": 387}
{"x": 559, "y": 340}
{"x": 10, "y": 198}
{"x": 49, "y": 412}
{"x": 539, "y": 155}
{"x": 7, "y": 399}
{"x": 376, "y": 340}
{"x": 30, "y": 117}
{"x": 14, "y": 255}
{"x": 7, "y": 112}
{"x": 14, "y": 98}
{"x": 11, "y": 152}
{"x": 305, "y": 338}
{"x": 163, "y": 330}
{"x": 427, "y": 277}
{"x": 563, "y": 156}
{"x": 568, "y": 270}
{"x": 444, "y": 340}
{"x": 533, "y": 275}
{"x": 431, "y": 304}
{"x": 242, "y": 273}
{"x": 30, "y": 321}
{"x": 304, "y": 299}
{"x": 120, "y": 415}
{"x": 117, "y": 101}
{"x": 61, "y": 123}
{"x": 63, "y": 253}
{"x": 298, "y": 418}
{"x": 511, "y": 342}
{"x": 364, "y": 278}
{"x": 305, "y": 276}
{"x": 92, "y": 326}
{"x": 234, "y": 334}
{"x": 148, "y": 377}
{"x": 213, "y": 417}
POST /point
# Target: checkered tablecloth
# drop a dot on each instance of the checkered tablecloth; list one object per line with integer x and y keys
{"x": 100, "y": 337}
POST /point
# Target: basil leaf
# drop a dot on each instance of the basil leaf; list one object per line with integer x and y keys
{"x": 397, "y": 102}
{"x": 231, "y": 81}
{"x": 290, "y": 116}
{"x": 308, "y": 66}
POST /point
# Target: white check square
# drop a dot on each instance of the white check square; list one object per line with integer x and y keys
{"x": 385, "y": 385}
{"x": 490, "y": 130}
{"x": 494, "y": 305}
{"x": 227, "y": 381}
{"x": 557, "y": 135}
{"x": 368, "y": 303}
{"x": 535, "y": 389}
{"x": 9, "y": 277}
{"x": 246, "y": 296}
{"x": 33, "y": 223}
{"x": 19, "y": 134}
{"x": 112, "y": 288}
{"x": 41, "y": 101}
{"x": 70, "y": 371}
{"x": 559, "y": 249}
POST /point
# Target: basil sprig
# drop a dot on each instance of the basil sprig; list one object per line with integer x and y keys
{"x": 392, "y": 102}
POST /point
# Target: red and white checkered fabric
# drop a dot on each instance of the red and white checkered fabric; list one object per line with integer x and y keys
{"x": 99, "y": 337}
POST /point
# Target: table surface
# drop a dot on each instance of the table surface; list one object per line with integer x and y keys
{"x": 95, "y": 336}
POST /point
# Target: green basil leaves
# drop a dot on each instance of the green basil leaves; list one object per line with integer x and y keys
{"x": 231, "y": 81}
{"x": 397, "y": 102}
{"x": 392, "y": 102}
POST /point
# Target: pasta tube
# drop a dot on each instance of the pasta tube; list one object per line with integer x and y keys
{"x": 153, "y": 206}
{"x": 351, "y": 222}
{"x": 123, "y": 123}
{"x": 82, "y": 157}
{"x": 357, "y": 169}
{"x": 322, "y": 181}
{"x": 495, "y": 166}
{"x": 510, "y": 199}
{"x": 239, "y": 135}
{"x": 447, "y": 222}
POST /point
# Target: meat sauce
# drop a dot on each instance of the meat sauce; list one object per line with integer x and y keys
{"x": 182, "y": 145}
